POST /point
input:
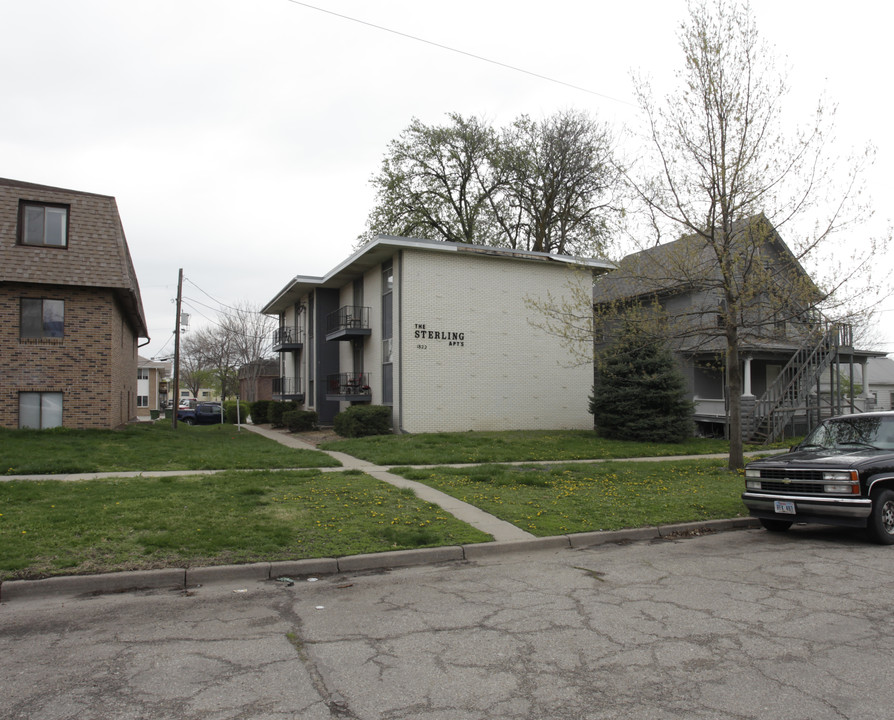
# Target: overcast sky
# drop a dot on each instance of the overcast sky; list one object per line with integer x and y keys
{"x": 239, "y": 136}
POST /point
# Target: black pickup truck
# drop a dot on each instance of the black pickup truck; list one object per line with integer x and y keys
{"x": 201, "y": 414}
{"x": 841, "y": 474}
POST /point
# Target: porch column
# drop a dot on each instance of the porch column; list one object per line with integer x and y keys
{"x": 746, "y": 388}
{"x": 864, "y": 368}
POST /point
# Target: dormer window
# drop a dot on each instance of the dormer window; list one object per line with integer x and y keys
{"x": 43, "y": 224}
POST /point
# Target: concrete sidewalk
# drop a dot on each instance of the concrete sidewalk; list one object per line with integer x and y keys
{"x": 500, "y": 530}
{"x": 507, "y": 538}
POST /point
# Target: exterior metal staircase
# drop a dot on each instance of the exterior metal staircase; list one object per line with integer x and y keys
{"x": 788, "y": 395}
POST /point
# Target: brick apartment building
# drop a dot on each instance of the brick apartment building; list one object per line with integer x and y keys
{"x": 70, "y": 310}
{"x": 152, "y": 386}
{"x": 441, "y": 332}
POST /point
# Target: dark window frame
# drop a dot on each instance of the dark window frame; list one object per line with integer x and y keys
{"x": 41, "y": 394}
{"x": 21, "y": 235}
{"x": 44, "y": 333}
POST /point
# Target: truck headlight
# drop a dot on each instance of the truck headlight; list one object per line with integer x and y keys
{"x": 841, "y": 482}
{"x": 752, "y": 485}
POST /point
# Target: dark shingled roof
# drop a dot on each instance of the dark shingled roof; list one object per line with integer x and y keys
{"x": 97, "y": 254}
{"x": 657, "y": 270}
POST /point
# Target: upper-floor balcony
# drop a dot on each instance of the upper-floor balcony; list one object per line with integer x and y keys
{"x": 347, "y": 323}
{"x": 287, "y": 338}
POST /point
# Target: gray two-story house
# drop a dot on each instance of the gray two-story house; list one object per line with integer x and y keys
{"x": 786, "y": 346}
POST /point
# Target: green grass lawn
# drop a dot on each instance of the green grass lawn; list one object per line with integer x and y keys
{"x": 147, "y": 446}
{"x": 64, "y": 528}
{"x": 511, "y": 446}
{"x": 253, "y": 512}
{"x": 559, "y": 499}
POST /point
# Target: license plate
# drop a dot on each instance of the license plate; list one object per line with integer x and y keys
{"x": 785, "y": 507}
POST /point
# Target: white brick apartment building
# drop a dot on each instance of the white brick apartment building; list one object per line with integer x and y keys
{"x": 441, "y": 332}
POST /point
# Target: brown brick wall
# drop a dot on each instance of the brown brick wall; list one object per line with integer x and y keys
{"x": 94, "y": 365}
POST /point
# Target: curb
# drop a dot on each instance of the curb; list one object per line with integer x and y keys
{"x": 71, "y": 586}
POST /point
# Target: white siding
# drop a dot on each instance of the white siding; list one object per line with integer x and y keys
{"x": 469, "y": 359}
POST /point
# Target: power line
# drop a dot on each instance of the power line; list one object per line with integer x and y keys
{"x": 514, "y": 68}
{"x": 204, "y": 292}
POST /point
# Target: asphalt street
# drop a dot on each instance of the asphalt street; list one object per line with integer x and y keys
{"x": 739, "y": 624}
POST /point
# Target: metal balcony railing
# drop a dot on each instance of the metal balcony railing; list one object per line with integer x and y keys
{"x": 287, "y": 337}
{"x": 287, "y": 387}
{"x": 347, "y": 322}
{"x": 348, "y": 385}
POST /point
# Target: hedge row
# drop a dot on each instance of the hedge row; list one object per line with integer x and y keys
{"x": 356, "y": 421}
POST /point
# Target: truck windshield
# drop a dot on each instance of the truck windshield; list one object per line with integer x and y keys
{"x": 873, "y": 432}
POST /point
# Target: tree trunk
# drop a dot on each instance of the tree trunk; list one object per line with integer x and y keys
{"x": 734, "y": 380}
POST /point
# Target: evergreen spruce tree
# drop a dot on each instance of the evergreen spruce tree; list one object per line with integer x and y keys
{"x": 639, "y": 393}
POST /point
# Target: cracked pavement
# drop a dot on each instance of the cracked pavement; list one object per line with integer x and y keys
{"x": 741, "y": 624}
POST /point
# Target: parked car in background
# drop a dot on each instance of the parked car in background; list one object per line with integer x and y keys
{"x": 842, "y": 473}
{"x": 202, "y": 414}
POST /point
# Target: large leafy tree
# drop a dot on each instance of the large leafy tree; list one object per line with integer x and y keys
{"x": 436, "y": 181}
{"x": 560, "y": 183}
{"x": 721, "y": 153}
{"x": 547, "y": 186}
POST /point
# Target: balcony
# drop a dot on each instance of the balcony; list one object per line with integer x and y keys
{"x": 347, "y": 323}
{"x": 351, "y": 387}
{"x": 288, "y": 388}
{"x": 288, "y": 338}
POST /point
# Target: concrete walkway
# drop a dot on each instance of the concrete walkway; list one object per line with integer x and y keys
{"x": 501, "y": 530}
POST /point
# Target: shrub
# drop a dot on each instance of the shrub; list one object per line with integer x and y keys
{"x": 300, "y": 420}
{"x": 276, "y": 409}
{"x": 363, "y": 420}
{"x": 274, "y": 413}
{"x": 230, "y": 412}
{"x": 259, "y": 409}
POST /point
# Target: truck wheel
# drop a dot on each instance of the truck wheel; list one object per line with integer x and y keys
{"x": 190, "y": 421}
{"x": 776, "y": 525}
{"x": 881, "y": 521}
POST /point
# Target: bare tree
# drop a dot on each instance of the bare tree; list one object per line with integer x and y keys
{"x": 194, "y": 374}
{"x": 723, "y": 156}
{"x": 249, "y": 334}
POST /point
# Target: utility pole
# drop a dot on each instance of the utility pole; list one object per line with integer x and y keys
{"x": 177, "y": 350}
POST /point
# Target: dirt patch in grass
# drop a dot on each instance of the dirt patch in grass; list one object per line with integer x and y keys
{"x": 315, "y": 437}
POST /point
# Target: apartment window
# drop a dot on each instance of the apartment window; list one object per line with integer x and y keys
{"x": 142, "y": 401}
{"x": 42, "y": 224}
{"x": 42, "y": 318}
{"x": 40, "y": 410}
{"x": 142, "y": 373}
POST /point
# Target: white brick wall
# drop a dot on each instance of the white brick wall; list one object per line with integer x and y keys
{"x": 493, "y": 370}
